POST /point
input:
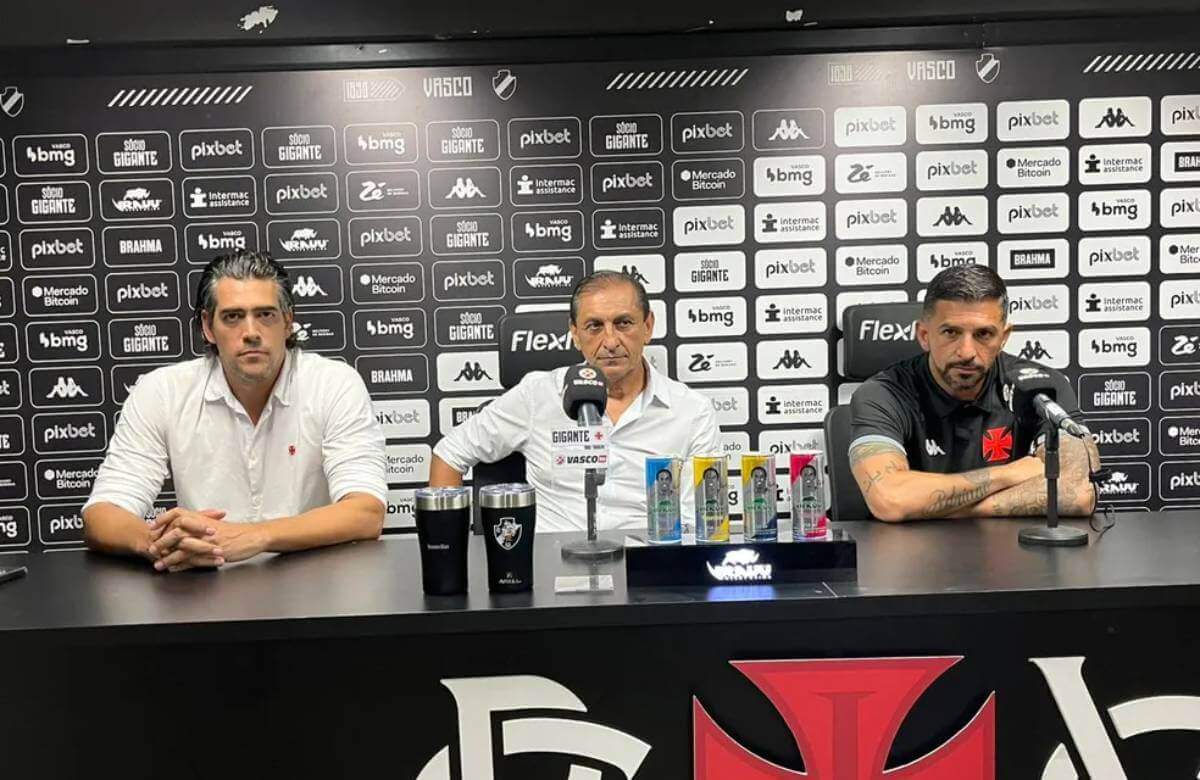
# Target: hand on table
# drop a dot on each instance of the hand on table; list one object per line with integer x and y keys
{"x": 183, "y": 539}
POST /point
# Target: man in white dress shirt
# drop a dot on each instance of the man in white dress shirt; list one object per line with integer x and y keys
{"x": 648, "y": 414}
{"x": 271, "y": 449}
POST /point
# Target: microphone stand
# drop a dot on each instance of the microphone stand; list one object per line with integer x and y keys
{"x": 591, "y": 548}
{"x": 1053, "y": 535}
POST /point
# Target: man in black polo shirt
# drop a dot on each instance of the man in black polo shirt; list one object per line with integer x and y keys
{"x": 933, "y": 435}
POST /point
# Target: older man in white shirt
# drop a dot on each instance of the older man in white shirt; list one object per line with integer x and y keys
{"x": 648, "y": 414}
{"x": 271, "y": 448}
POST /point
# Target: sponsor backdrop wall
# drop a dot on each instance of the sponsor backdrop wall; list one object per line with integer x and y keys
{"x": 756, "y": 197}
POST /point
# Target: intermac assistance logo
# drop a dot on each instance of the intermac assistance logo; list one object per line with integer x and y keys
{"x": 480, "y": 702}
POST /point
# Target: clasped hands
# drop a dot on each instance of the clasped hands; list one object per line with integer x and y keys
{"x": 182, "y": 539}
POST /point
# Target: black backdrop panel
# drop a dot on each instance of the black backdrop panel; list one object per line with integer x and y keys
{"x": 756, "y": 196}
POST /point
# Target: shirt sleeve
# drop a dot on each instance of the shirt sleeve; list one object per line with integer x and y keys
{"x": 353, "y": 448}
{"x": 877, "y": 415}
{"x": 494, "y": 432}
{"x": 137, "y": 462}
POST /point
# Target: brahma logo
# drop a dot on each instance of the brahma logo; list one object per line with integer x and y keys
{"x": 741, "y": 565}
{"x": 843, "y": 713}
{"x": 480, "y": 702}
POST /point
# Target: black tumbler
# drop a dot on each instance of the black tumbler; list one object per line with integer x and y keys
{"x": 443, "y": 524}
{"x": 507, "y": 511}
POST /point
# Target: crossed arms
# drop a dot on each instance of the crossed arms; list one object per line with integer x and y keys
{"x": 895, "y": 493}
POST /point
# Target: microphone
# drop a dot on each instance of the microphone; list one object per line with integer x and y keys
{"x": 1033, "y": 392}
{"x": 584, "y": 395}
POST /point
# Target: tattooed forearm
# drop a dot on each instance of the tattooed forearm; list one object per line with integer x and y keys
{"x": 945, "y": 501}
{"x": 870, "y": 449}
{"x": 877, "y": 476}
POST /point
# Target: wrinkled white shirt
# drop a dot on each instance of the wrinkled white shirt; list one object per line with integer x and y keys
{"x": 316, "y": 441}
{"x": 667, "y": 418}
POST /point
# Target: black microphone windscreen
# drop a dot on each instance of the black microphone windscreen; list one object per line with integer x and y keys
{"x": 1030, "y": 382}
{"x": 583, "y": 385}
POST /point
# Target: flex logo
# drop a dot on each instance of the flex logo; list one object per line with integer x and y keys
{"x": 844, "y": 715}
{"x": 1129, "y": 719}
{"x": 481, "y": 699}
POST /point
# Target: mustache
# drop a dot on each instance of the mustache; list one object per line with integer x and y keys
{"x": 964, "y": 364}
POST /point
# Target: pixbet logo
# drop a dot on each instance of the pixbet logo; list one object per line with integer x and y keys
{"x": 1034, "y": 211}
{"x": 1034, "y": 119}
{"x": 870, "y": 125}
{"x": 871, "y": 217}
{"x": 708, "y": 224}
{"x": 467, "y": 280}
{"x": 68, "y": 432}
{"x": 297, "y": 192}
{"x": 142, "y": 292}
{"x": 627, "y": 181}
{"x": 706, "y": 132}
{"x": 216, "y": 149}
{"x": 545, "y": 137}
{"x": 373, "y": 236}
{"x": 785, "y": 267}
{"x": 56, "y": 248}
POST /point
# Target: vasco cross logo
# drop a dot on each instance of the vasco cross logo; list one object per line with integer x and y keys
{"x": 997, "y": 444}
{"x": 507, "y": 533}
{"x": 844, "y": 714}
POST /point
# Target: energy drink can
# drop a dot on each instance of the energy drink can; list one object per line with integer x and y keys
{"x": 663, "y": 523}
{"x": 759, "y": 510}
{"x": 710, "y": 480}
{"x": 807, "y": 477}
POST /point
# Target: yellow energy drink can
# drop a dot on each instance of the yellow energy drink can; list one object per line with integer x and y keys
{"x": 710, "y": 482}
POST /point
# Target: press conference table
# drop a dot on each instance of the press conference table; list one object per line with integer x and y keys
{"x": 329, "y": 663}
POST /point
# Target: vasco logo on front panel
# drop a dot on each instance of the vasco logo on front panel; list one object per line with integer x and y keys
{"x": 61, "y": 434}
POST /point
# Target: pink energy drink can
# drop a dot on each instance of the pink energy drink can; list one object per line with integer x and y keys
{"x": 806, "y": 474}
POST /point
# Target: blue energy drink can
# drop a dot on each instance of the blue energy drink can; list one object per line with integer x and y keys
{"x": 663, "y": 521}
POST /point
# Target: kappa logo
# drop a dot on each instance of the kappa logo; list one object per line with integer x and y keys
{"x": 482, "y": 700}
{"x": 66, "y": 387}
{"x": 952, "y": 216}
{"x": 1115, "y": 118}
{"x": 1033, "y": 350}
{"x": 474, "y": 372}
{"x": 933, "y": 449}
{"x": 464, "y": 189}
{"x": 306, "y": 287}
{"x": 791, "y": 359}
{"x": 788, "y": 130}
{"x": 842, "y": 714}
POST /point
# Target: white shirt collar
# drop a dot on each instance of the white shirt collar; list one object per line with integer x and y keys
{"x": 217, "y": 388}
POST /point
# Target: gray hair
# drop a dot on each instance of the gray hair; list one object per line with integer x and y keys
{"x": 966, "y": 284}
{"x": 604, "y": 278}
{"x": 243, "y": 266}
